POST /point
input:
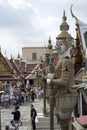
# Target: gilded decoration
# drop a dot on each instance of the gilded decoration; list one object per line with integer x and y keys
{"x": 4, "y": 69}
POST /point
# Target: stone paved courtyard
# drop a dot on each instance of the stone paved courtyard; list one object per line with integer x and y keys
{"x": 6, "y": 115}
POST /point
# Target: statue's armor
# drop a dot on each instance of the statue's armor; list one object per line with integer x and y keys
{"x": 64, "y": 76}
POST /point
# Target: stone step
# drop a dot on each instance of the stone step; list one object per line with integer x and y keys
{"x": 47, "y": 128}
{"x": 43, "y": 122}
{"x": 43, "y": 119}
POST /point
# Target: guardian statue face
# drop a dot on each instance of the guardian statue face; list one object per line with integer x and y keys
{"x": 60, "y": 46}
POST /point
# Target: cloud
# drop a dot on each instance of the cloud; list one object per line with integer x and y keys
{"x": 16, "y": 24}
{"x": 19, "y": 4}
{"x": 24, "y": 22}
{"x": 16, "y": 13}
{"x": 49, "y": 26}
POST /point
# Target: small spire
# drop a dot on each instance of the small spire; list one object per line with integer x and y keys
{"x": 76, "y": 19}
{"x": 18, "y": 57}
{"x": 64, "y": 18}
{"x": 49, "y": 43}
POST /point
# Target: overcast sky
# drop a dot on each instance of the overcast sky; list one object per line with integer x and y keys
{"x": 25, "y": 23}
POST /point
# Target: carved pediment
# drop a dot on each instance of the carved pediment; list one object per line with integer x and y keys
{"x": 4, "y": 68}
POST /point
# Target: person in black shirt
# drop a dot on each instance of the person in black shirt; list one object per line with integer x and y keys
{"x": 16, "y": 114}
{"x": 16, "y": 117}
{"x": 33, "y": 116}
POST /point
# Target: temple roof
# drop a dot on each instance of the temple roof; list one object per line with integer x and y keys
{"x": 5, "y": 65}
{"x": 16, "y": 68}
{"x": 8, "y": 77}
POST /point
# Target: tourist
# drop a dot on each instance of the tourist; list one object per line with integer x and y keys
{"x": 33, "y": 117}
{"x": 16, "y": 115}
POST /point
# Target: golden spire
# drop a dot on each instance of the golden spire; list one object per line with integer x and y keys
{"x": 76, "y": 23}
{"x": 64, "y": 25}
{"x": 76, "y": 19}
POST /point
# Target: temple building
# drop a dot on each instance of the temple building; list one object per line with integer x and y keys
{"x": 7, "y": 73}
{"x": 33, "y": 53}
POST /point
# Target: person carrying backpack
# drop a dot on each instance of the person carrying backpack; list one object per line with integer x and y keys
{"x": 33, "y": 116}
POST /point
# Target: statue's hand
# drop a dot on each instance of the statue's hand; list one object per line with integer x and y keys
{"x": 48, "y": 81}
{"x": 50, "y": 76}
